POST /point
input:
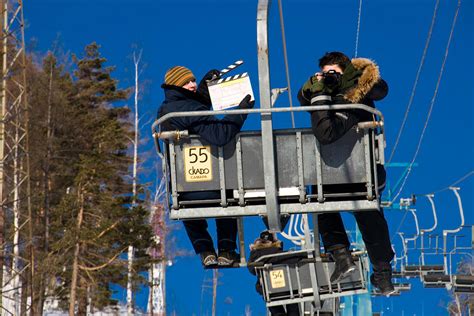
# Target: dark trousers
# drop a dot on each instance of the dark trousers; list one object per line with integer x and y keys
{"x": 373, "y": 228}
{"x": 202, "y": 241}
{"x": 197, "y": 229}
{"x": 291, "y": 310}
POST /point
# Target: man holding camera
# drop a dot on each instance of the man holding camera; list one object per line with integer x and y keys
{"x": 268, "y": 244}
{"x": 342, "y": 81}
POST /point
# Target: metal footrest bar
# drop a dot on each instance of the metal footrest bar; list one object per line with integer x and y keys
{"x": 260, "y": 210}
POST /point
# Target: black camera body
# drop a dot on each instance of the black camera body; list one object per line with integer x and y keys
{"x": 331, "y": 78}
{"x": 267, "y": 236}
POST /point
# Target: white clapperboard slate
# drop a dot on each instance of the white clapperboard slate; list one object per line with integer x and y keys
{"x": 228, "y": 92}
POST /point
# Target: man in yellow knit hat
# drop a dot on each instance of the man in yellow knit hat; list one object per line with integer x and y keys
{"x": 183, "y": 94}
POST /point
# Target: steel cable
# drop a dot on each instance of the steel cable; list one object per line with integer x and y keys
{"x": 285, "y": 56}
{"x": 358, "y": 29}
{"x": 428, "y": 116}
{"x": 433, "y": 99}
{"x": 415, "y": 84}
{"x": 467, "y": 175}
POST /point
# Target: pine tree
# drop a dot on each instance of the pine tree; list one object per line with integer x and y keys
{"x": 82, "y": 213}
{"x": 87, "y": 198}
{"x": 50, "y": 90}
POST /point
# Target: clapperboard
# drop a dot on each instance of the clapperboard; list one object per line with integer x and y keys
{"x": 228, "y": 92}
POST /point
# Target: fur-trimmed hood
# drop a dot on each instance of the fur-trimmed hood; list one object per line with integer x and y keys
{"x": 370, "y": 76}
{"x": 263, "y": 244}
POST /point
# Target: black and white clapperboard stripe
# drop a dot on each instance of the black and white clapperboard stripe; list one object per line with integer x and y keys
{"x": 213, "y": 83}
{"x": 231, "y": 67}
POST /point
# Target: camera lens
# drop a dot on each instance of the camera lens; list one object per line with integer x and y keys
{"x": 331, "y": 78}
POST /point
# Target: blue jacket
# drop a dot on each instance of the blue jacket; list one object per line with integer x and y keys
{"x": 216, "y": 131}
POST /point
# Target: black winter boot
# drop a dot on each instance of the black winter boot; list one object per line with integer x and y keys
{"x": 382, "y": 278}
{"x": 344, "y": 264}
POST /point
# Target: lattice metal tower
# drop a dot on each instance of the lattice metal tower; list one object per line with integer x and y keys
{"x": 15, "y": 211}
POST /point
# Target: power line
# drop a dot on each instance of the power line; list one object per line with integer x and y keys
{"x": 433, "y": 99}
{"x": 358, "y": 29}
{"x": 415, "y": 84}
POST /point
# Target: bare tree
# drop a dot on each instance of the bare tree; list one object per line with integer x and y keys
{"x": 462, "y": 303}
{"x": 130, "y": 305}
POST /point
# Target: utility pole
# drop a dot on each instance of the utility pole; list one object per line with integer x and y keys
{"x": 14, "y": 161}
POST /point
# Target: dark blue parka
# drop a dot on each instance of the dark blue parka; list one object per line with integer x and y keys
{"x": 216, "y": 131}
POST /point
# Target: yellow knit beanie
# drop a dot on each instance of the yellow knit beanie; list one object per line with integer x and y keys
{"x": 178, "y": 76}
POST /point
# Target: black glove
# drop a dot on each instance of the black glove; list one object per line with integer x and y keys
{"x": 202, "y": 90}
{"x": 212, "y": 74}
{"x": 246, "y": 103}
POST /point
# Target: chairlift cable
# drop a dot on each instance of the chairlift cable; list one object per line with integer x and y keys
{"x": 433, "y": 99}
{"x": 399, "y": 226}
{"x": 285, "y": 56}
{"x": 467, "y": 175}
{"x": 415, "y": 84}
{"x": 358, "y": 29}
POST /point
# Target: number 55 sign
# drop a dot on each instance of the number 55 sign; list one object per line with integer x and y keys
{"x": 197, "y": 164}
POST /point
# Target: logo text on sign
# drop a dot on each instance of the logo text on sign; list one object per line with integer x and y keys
{"x": 277, "y": 278}
{"x": 197, "y": 164}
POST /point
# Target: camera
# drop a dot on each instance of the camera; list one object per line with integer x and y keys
{"x": 267, "y": 236}
{"x": 331, "y": 78}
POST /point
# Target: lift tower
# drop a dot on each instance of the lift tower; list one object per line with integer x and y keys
{"x": 15, "y": 210}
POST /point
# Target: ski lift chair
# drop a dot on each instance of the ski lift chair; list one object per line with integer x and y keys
{"x": 267, "y": 173}
{"x": 306, "y": 279}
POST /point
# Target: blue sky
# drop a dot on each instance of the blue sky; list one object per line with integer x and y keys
{"x": 210, "y": 34}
